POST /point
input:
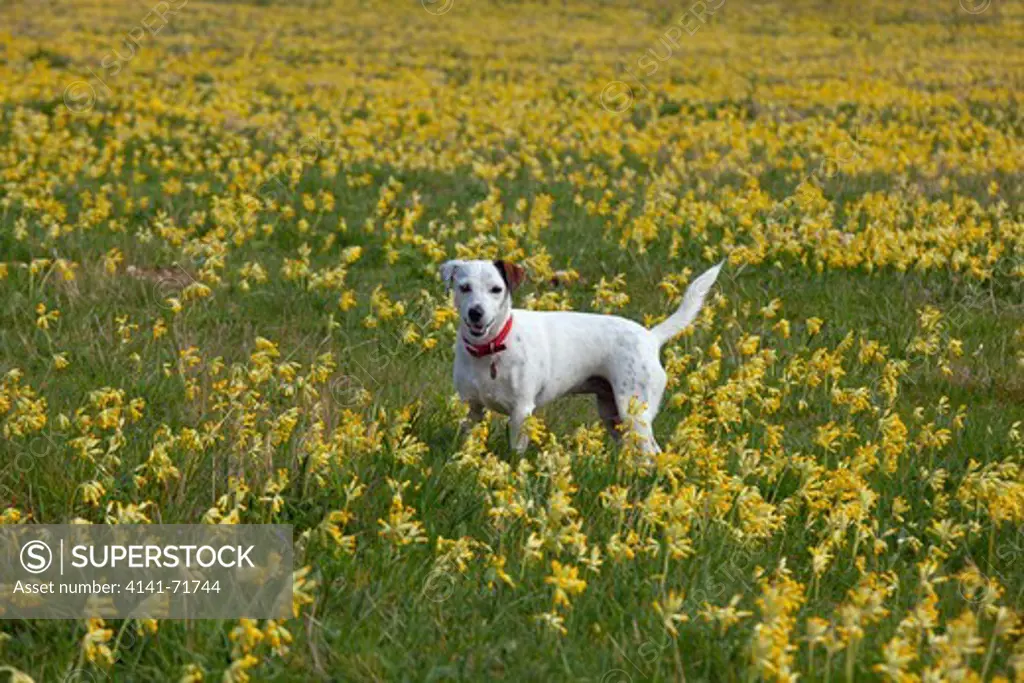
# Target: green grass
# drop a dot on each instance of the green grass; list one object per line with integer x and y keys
{"x": 387, "y": 613}
{"x": 379, "y": 616}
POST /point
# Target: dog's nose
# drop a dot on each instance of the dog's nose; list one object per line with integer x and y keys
{"x": 475, "y": 313}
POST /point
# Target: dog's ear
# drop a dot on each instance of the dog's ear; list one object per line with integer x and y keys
{"x": 448, "y": 271}
{"x": 512, "y": 273}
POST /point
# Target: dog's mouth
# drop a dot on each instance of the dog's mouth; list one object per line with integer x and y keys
{"x": 476, "y": 329}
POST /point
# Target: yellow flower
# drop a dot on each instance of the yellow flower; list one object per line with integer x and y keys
{"x": 94, "y": 644}
{"x": 45, "y": 318}
{"x": 496, "y": 568}
{"x": 193, "y": 674}
{"x": 553, "y": 622}
{"x": 301, "y": 589}
{"x": 566, "y": 581}
{"x": 727, "y": 616}
{"x": 112, "y": 260}
{"x": 672, "y": 611}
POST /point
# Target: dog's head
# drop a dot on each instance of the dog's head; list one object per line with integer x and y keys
{"x": 483, "y": 292}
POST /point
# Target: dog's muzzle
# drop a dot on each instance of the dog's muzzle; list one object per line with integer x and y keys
{"x": 474, "y": 321}
{"x": 476, "y": 329}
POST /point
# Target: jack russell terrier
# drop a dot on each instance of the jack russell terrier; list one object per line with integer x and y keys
{"x": 514, "y": 361}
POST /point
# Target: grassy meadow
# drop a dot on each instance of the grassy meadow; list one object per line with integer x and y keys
{"x": 220, "y": 228}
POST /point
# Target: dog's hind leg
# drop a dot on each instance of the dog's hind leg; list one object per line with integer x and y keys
{"x": 609, "y": 412}
{"x": 606, "y": 407}
{"x": 645, "y": 431}
{"x": 647, "y": 387}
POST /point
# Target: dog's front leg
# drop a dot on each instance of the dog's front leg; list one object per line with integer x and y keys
{"x": 476, "y": 413}
{"x": 520, "y": 439}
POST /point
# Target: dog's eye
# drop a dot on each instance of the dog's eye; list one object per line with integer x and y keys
{"x": 465, "y": 289}
{"x": 495, "y": 290}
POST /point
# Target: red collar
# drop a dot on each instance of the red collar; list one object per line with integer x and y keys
{"x": 493, "y": 346}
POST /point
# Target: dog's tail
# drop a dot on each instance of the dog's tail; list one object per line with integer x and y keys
{"x": 688, "y": 310}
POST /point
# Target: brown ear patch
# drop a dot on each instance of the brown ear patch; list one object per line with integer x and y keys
{"x": 512, "y": 273}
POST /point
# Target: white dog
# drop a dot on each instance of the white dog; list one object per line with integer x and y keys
{"x": 514, "y": 361}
